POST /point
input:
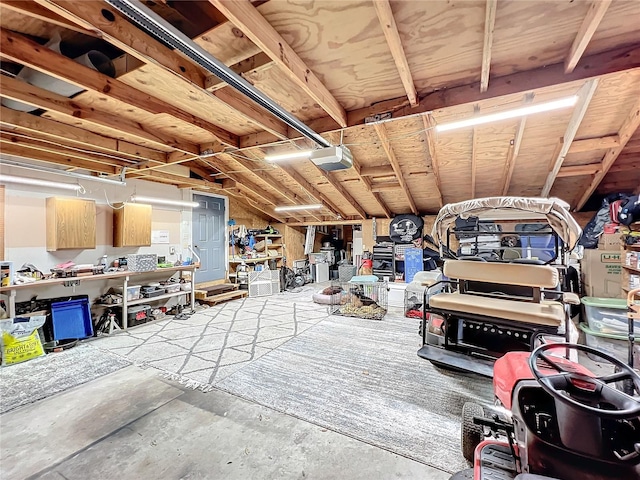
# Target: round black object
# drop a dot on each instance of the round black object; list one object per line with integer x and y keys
{"x": 405, "y": 228}
{"x": 298, "y": 281}
{"x": 471, "y": 433}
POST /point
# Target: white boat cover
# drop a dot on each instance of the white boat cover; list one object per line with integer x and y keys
{"x": 555, "y": 211}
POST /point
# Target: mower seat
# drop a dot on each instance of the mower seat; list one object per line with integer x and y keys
{"x": 543, "y": 313}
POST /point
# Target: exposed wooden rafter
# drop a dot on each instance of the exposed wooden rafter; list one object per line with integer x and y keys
{"x": 578, "y": 170}
{"x": 32, "y": 9}
{"x": 366, "y": 181}
{"x": 429, "y": 126}
{"x": 20, "y": 49}
{"x": 489, "y": 24}
{"x": 381, "y": 130}
{"x": 594, "y": 16}
{"x": 593, "y": 144}
{"x": 512, "y": 156}
{"x": 620, "y": 59}
{"x": 585, "y": 94}
{"x": 40, "y": 98}
{"x": 249, "y": 66}
{"x": 248, "y": 19}
{"x": 109, "y": 24}
{"x": 628, "y": 128}
{"x": 391, "y": 34}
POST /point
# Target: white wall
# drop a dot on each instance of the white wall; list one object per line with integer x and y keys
{"x": 25, "y": 217}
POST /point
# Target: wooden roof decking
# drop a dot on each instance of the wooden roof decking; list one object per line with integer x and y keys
{"x": 344, "y": 45}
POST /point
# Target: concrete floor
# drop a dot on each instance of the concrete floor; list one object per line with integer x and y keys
{"x": 133, "y": 424}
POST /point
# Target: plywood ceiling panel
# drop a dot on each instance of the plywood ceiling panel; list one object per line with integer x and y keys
{"x": 619, "y": 26}
{"x": 342, "y": 42}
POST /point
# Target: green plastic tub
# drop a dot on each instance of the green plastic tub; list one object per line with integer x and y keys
{"x": 607, "y": 315}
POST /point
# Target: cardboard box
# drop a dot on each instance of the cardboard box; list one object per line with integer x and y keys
{"x": 602, "y": 273}
{"x": 610, "y": 241}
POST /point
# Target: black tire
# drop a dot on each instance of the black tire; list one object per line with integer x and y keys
{"x": 471, "y": 434}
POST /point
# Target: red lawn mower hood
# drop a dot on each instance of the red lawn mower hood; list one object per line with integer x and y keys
{"x": 514, "y": 367}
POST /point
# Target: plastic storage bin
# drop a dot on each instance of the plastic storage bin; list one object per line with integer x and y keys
{"x": 133, "y": 292}
{"x": 608, "y": 315}
{"x": 615, "y": 345}
{"x": 172, "y": 287}
{"x": 71, "y": 319}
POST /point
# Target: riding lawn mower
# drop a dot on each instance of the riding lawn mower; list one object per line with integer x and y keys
{"x": 556, "y": 419}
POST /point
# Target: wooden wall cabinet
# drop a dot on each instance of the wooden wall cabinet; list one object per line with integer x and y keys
{"x": 71, "y": 223}
{"x": 132, "y": 225}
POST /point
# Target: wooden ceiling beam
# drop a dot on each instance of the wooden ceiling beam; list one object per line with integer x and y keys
{"x": 20, "y": 49}
{"x": 253, "y": 169}
{"x": 176, "y": 179}
{"x": 40, "y": 98}
{"x": 593, "y": 144}
{"x": 44, "y": 145}
{"x": 620, "y": 59}
{"x": 342, "y": 191}
{"x": 249, "y": 20}
{"x": 385, "y": 187}
{"x": 585, "y": 94}
{"x": 628, "y": 128}
{"x": 589, "y": 25}
{"x": 377, "y": 171}
{"x": 251, "y": 203}
{"x": 578, "y": 170}
{"x": 489, "y": 24}
{"x": 110, "y": 25}
{"x": 390, "y": 30}
{"x": 429, "y": 130}
{"x": 366, "y": 181}
{"x": 33, "y": 10}
{"x": 311, "y": 190}
{"x": 381, "y": 130}
{"x": 34, "y": 125}
{"x": 512, "y": 156}
{"x": 251, "y": 65}
{"x": 58, "y": 158}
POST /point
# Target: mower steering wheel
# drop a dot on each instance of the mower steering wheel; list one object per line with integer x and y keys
{"x": 599, "y": 388}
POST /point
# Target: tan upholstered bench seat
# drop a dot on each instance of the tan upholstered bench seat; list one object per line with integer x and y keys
{"x": 545, "y": 313}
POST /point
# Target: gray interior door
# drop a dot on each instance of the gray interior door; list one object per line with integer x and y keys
{"x": 209, "y": 237}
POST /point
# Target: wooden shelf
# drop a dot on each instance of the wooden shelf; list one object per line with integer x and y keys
{"x": 635, "y": 247}
{"x": 631, "y": 269}
{"x": 270, "y": 235}
{"x": 254, "y": 260}
{"x": 146, "y": 300}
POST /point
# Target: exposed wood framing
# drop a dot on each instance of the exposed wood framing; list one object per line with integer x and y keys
{"x": 512, "y": 156}
{"x": 248, "y": 19}
{"x": 377, "y": 171}
{"x": 68, "y": 134}
{"x": 489, "y": 24}
{"x": 50, "y": 155}
{"x": 474, "y": 160}
{"x": 126, "y": 36}
{"x": 594, "y": 16}
{"x": 40, "y": 98}
{"x": 366, "y": 181}
{"x": 592, "y": 144}
{"x": 251, "y": 203}
{"x": 628, "y": 128}
{"x": 390, "y": 30}
{"x": 311, "y": 190}
{"x": 253, "y": 169}
{"x": 342, "y": 192}
{"x": 429, "y": 127}
{"x": 578, "y": 170}
{"x": 385, "y": 186}
{"x": 625, "y": 58}
{"x": 585, "y": 94}
{"x": 381, "y": 130}
{"x": 179, "y": 179}
{"x": 249, "y": 66}
{"x": 20, "y": 49}
{"x": 32, "y": 9}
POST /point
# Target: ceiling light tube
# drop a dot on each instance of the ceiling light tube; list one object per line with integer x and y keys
{"x": 39, "y": 183}
{"x": 55, "y": 171}
{"x": 288, "y": 156}
{"x": 162, "y": 201}
{"x": 285, "y": 208}
{"x": 515, "y": 113}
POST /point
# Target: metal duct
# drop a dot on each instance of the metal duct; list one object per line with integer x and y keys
{"x": 93, "y": 59}
{"x": 165, "y": 33}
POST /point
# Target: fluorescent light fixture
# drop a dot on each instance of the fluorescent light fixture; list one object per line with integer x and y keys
{"x": 285, "y": 208}
{"x": 55, "y": 171}
{"x": 162, "y": 201}
{"x": 288, "y": 156}
{"x": 515, "y": 113}
{"x": 39, "y": 183}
